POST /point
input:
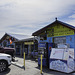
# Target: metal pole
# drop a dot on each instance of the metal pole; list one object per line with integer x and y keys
{"x": 24, "y": 60}
{"x": 41, "y": 65}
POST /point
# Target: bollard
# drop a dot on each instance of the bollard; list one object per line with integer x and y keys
{"x": 41, "y": 65}
{"x": 24, "y": 60}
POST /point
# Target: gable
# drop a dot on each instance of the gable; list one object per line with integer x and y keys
{"x": 59, "y": 30}
{"x": 7, "y": 37}
{"x": 55, "y": 34}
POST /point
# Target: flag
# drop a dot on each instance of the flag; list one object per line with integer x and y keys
{"x": 10, "y": 41}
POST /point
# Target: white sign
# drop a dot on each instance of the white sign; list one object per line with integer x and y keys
{"x": 57, "y": 53}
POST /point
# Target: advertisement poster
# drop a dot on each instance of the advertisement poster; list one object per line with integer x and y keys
{"x": 57, "y": 53}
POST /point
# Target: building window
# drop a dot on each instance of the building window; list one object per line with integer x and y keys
{"x": 59, "y": 40}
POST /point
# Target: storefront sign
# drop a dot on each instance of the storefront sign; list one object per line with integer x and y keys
{"x": 28, "y": 43}
{"x": 59, "y": 30}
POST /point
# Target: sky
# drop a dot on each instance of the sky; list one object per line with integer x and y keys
{"x": 27, "y": 16}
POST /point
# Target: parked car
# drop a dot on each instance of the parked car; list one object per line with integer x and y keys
{"x": 5, "y": 61}
{"x": 6, "y": 50}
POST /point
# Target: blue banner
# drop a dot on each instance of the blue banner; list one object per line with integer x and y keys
{"x": 42, "y": 45}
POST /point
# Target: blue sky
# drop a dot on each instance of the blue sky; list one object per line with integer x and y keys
{"x": 27, "y": 16}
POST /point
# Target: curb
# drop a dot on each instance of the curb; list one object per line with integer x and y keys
{"x": 17, "y": 64}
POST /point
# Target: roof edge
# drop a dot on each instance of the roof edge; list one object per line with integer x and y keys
{"x": 57, "y": 21}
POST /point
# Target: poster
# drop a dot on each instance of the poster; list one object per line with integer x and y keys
{"x": 57, "y": 53}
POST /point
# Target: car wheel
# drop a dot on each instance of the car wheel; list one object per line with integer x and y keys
{"x": 3, "y": 66}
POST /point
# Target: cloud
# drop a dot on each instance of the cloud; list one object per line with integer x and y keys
{"x": 72, "y": 16}
{"x": 20, "y": 16}
{"x": 71, "y": 22}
